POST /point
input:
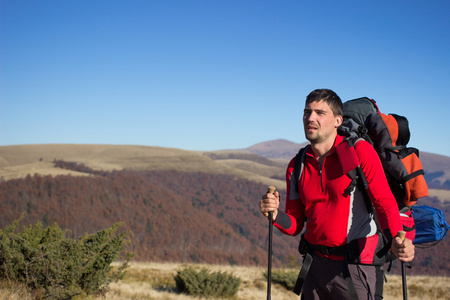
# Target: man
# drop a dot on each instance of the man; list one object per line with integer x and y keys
{"x": 333, "y": 218}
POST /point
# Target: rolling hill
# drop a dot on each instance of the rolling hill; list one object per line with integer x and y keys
{"x": 18, "y": 161}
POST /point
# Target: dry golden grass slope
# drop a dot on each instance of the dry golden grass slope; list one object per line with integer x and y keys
{"x": 155, "y": 281}
{"x": 21, "y": 160}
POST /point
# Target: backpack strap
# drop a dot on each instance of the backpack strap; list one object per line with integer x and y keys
{"x": 299, "y": 164}
{"x": 359, "y": 179}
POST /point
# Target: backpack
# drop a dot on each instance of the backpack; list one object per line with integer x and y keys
{"x": 389, "y": 135}
{"x": 431, "y": 225}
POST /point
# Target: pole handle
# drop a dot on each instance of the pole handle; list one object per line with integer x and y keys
{"x": 401, "y": 234}
{"x": 271, "y": 189}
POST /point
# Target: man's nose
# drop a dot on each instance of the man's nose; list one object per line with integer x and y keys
{"x": 310, "y": 116}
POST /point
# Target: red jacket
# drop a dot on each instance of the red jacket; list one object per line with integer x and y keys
{"x": 334, "y": 218}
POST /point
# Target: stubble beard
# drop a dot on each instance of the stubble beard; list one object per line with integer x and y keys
{"x": 313, "y": 138}
{"x": 316, "y": 137}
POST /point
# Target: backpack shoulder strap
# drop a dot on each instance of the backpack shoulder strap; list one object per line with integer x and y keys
{"x": 299, "y": 163}
{"x": 351, "y": 166}
{"x": 359, "y": 180}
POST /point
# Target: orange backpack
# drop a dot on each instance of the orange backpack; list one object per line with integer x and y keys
{"x": 389, "y": 135}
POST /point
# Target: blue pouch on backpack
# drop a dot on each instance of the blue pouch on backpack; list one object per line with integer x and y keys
{"x": 431, "y": 226}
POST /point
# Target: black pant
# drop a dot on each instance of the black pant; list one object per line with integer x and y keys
{"x": 325, "y": 280}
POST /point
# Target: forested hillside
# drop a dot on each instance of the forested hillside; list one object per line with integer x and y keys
{"x": 174, "y": 216}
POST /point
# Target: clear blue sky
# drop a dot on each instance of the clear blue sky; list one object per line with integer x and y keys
{"x": 211, "y": 75}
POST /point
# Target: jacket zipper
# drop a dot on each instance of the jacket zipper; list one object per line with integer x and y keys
{"x": 320, "y": 175}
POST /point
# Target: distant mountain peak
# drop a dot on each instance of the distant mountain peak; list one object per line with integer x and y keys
{"x": 277, "y": 142}
{"x": 279, "y": 148}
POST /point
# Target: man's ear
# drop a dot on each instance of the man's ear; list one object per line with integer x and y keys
{"x": 339, "y": 121}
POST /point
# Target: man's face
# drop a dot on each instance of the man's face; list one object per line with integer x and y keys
{"x": 319, "y": 122}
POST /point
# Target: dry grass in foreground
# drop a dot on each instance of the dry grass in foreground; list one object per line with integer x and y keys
{"x": 155, "y": 281}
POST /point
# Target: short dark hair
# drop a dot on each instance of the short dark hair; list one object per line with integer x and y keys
{"x": 329, "y": 97}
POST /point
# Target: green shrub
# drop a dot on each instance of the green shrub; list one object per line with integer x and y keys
{"x": 286, "y": 278}
{"x": 53, "y": 266}
{"x": 205, "y": 283}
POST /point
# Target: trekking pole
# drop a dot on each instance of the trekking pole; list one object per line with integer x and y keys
{"x": 401, "y": 235}
{"x": 270, "y": 190}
